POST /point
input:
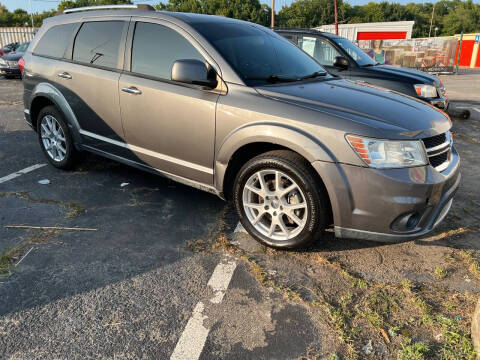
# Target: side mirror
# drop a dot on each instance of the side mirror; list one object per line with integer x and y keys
{"x": 191, "y": 71}
{"x": 340, "y": 62}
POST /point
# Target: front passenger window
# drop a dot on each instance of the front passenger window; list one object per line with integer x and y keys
{"x": 320, "y": 50}
{"x": 155, "y": 49}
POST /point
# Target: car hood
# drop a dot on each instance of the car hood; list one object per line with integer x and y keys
{"x": 13, "y": 56}
{"x": 386, "y": 112}
{"x": 415, "y": 75}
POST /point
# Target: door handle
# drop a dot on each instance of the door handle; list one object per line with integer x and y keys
{"x": 132, "y": 90}
{"x": 64, "y": 75}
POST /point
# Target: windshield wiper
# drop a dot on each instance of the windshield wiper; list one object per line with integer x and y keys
{"x": 272, "y": 78}
{"x": 368, "y": 65}
{"x": 314, "y": 75}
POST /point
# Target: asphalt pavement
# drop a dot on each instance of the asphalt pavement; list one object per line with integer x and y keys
{"x": 130, "y": 288}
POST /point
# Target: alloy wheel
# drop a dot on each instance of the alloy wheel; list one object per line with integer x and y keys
{"x": 275, "y": 204}
{"x": 53, "y": 138}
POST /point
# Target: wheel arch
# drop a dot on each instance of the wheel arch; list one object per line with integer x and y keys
{"x": 45, "y": 94}
{"x": 246, "y": 143}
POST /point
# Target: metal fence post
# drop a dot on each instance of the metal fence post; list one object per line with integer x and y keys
{"x": 459, "y": 52}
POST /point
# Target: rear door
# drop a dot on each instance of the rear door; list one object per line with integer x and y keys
{"x": 89, "y": 80}
{"x": 169, "y": 126}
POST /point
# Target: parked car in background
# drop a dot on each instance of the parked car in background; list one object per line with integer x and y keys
{"x": 233, "y": 108}
{"x": 9, "y": 62}
{"x": 10, "y": 47}
{"x": 343, "y": 58}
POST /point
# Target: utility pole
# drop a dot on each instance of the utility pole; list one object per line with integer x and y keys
{"x": 272, "y": 25}
{"x": 431, "y": 20}
{"x": 31, "y": 13}
{"x": 336, "y": 16}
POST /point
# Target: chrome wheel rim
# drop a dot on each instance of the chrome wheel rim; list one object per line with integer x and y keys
{"x": 53, "y": 138}
{"x": 275, "y": 204}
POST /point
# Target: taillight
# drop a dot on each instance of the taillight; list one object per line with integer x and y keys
{"x": 21, "y": 65}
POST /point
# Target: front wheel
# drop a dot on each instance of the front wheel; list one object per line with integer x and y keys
{"x": 279, "y": 200}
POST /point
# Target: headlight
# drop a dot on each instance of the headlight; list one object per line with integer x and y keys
{"x": 426, "y": 91}
{"x": 3, "y": 62}
{"x": 378, "y": 153}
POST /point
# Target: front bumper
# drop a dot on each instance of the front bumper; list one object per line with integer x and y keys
{"x": 367, "y": 203}
{"x": 440, "y": 102}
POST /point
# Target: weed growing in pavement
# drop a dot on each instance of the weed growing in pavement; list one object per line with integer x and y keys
{"x": 11, "y": 255}
{"x": 6, "y": 262}
{"x": 440, "y": 272}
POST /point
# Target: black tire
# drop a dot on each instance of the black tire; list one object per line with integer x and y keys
{"x": 299, "y": 170}
{"x": 72, "y": 155}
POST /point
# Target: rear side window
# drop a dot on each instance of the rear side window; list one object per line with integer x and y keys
{"x": 55, "y": 41}
{"x": 98, "y": 43}
{"x": 155, "y": 49}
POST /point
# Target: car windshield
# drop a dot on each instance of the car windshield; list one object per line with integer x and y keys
{"x": 23, "y": 47}
{"x": 259, "y": 56}
{"x": 355, "y": 52}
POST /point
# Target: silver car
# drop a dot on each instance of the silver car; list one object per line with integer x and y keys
{"x": 233, "y": 108}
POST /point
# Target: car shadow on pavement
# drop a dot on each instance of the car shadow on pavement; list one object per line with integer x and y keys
{"x": 143, "y": 222}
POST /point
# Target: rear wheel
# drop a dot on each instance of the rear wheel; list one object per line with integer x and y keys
{"x": 279, "y": 200}
{"x": 55, "y": 139}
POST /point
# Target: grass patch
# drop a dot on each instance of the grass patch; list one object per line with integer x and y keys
{"x": 417, "y": 351}
{"x": 474, "y": 265}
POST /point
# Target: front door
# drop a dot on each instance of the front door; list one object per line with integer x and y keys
{"x": 322, "y": 51}
{"x": 168, "y": 126}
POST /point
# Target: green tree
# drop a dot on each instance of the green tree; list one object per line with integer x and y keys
{"x": 248, "y": 10}
{"x": 310, "y": 13}
{"x": 464, "y": 17}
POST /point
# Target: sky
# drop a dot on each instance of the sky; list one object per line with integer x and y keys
{"x": 41, "y": 5}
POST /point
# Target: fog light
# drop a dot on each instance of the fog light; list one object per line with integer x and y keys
{"x": 412, "y": 221}
{"x": 406, "y": 222}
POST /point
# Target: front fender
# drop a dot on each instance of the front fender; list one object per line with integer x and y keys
{"x": 50, "y": 92}
{"x": 269, "y": 132}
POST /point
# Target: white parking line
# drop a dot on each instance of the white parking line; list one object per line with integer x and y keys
{"x": 21, "y": 172}
{"x": 192, "y": 340}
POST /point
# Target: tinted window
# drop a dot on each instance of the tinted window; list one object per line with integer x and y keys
{"x": 155, "y": 49}
{"x": 23, "y": 47}
{"x": 98, "y": 43}
{"x": 320, "y": 50}
{"x": 355, "y": 52}
{"x": 55, "y": 41}
{"x": 258, "y": 55}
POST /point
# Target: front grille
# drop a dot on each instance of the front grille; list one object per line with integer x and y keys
{"x": 438, "y": 159}
{"x": 433, "y": 141}
{"x": 438, "y": 150}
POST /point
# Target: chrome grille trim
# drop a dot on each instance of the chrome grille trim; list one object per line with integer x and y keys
{"x": 438, "y": 150}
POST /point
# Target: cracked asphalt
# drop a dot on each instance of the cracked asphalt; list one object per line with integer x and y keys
{"x": 128, "y": 289}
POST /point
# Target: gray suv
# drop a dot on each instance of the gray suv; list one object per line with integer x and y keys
{"x": 233, "y": 108}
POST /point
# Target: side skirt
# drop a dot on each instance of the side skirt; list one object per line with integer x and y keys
{"x": 152, "y": 170}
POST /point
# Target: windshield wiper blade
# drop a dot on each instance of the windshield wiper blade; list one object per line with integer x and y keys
{"x": 314, "y": 75}
{"x": 272, "y": 78}
{"x": 368, "y": 65}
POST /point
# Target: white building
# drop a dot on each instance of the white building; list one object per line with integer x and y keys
{"x": 372, "y": 31}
